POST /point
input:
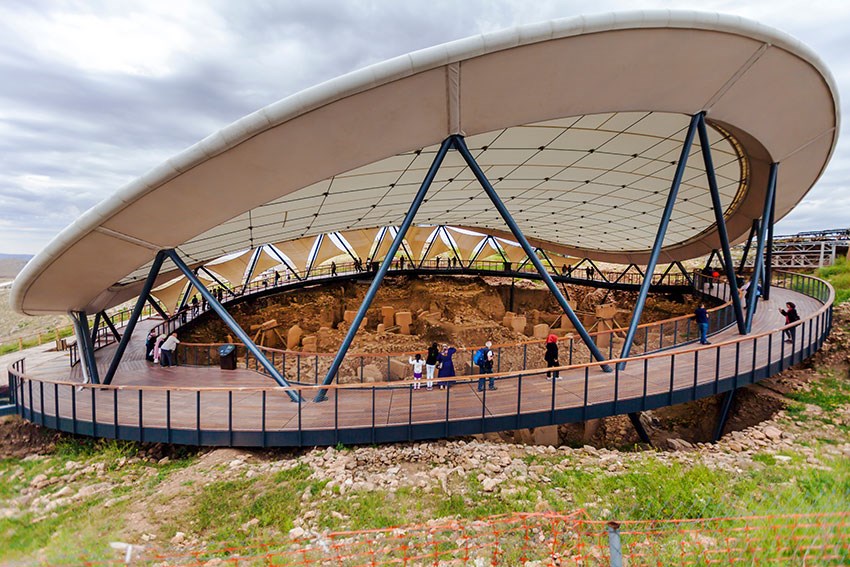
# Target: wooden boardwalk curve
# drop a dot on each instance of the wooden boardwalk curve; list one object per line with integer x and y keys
{"x": 208, "y": 406}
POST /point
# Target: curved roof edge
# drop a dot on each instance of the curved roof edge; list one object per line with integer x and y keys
{"x": 394, "y": 69}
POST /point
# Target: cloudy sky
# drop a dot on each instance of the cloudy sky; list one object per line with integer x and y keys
{"x": 94, "y": 94}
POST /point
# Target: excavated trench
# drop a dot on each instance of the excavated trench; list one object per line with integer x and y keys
{"x": 467, "y": 311}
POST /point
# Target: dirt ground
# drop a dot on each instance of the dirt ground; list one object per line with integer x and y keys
{"x": 470, "y": 312}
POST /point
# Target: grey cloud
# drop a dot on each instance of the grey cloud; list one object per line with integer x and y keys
{"x": 91, "y": 133}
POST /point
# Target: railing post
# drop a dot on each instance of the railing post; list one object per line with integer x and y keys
{"x": 614, "y": 544}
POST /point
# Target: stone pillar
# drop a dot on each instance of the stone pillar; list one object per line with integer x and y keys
{"x": 309, "y": 343}
{"x": 293, "y": 337}
{"x": 541, "y": 331}
{"x": 605, "y": 322}
{"x": 518, "y": 324}
{"x": 404, "y": 319}
{"x": 388, "y": 315}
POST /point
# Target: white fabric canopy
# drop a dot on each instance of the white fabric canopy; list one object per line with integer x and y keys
{"x": 584, "y": 174}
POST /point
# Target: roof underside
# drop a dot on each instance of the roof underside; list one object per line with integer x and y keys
{"x": 577, "y": 123}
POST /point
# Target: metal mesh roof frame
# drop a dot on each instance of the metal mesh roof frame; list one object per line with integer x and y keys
{"x": 576, "y": 123}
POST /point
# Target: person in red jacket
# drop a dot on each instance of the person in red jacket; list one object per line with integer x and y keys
{"x": 791, "y": 316}
{"x": 551, "y": 356}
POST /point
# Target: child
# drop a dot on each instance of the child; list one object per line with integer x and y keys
{"x": 418, "y": 364}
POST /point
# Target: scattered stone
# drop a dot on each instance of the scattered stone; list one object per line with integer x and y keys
{"x": 296, "y": 532}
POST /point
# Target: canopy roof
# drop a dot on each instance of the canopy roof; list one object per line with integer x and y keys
{"x": 577, "y": 122}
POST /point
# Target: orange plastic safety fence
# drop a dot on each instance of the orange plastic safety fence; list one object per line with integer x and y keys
{"x": 550, "y": 540}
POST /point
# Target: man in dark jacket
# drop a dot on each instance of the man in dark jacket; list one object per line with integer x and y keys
{"x": 701, "y": 315}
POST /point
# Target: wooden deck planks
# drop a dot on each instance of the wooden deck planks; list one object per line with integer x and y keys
{"x": 354, "y": 407}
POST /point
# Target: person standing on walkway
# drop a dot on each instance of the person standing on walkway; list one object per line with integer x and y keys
{"x": 417, "y": 364}
{"x": 551, "y": 356}
{"x": 150, "y": 344}
{"x": 483, "y": 358}
{"x": 431, "y": 364}
{"x": 701, "y": 315}
{"x": 195, "y": 307}
{"x": 447, "y": 366}
{"x": 167, "y": 350}
{"x": 791, "y": 316}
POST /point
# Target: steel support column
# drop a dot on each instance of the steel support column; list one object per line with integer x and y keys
{"x": 231, "y": 323}
{"x": 634, "y": 417}
{"x": 156, "y": 307}
{"x": 758, "y": 266}
{"x": 111, "y": 325}
{"x": 285, "y": 263}
{"x": 753, "y": 231}
{"x": 137, "y": 312}
{"x": 385, "y": 265}
{"x": 218, "y": 281}
{"x": 720, "y": 220}
{"x": 768, "y": 261}
{"x": 714, "y": 251}
{"x": 659, "y": 238}
{"x": 95, "y": 325}
{"x": 87, "y": 348}
{"x": 724, "y": 415}
{"x": 250, "y": 273}
{"x": 460, "y": 144}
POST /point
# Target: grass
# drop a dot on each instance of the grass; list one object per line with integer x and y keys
{"x": 829, "y": 393}
{"x": 839, "y": 276}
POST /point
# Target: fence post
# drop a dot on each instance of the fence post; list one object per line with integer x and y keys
{"x": 614, "y": 545}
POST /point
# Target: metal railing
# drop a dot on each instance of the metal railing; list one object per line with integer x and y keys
{"x": 383, "y": 412}
{"x": 305, "y": 368}
{"x": 104, "y": 336}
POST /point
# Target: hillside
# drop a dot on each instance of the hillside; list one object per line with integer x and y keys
{"x": 65, "y": 500}
{"x": 11, "y": 264}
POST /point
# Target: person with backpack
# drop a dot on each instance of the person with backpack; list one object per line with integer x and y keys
{"x": 791, "y": 316}
{"x": 431, "y": 364}
{"x": 417, "y": 364}
{"x": 551, "y": 356}
{"x": 484, "y": 360}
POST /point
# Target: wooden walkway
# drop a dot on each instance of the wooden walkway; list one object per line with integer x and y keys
{"x": 242, "y": 407}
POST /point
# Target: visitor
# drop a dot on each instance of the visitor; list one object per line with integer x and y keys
{"x": 438, "y": 262}
{"x": 701, "y": 316}
{"x": 431, "y": 360}
{"x": 791, "y": 317}
{"x": 150, "y": 343}
{"x": 333, "y": 268}
{"x": 483, "y": 358}
{"x": 195, "y": 307}
{"x": 454, "y": 261}
{"x": 167, "y": 350}
{"x": 401, "y": 263}
{"x": 276, "y": 278}
{"x": 570, "y": 271}
{"x": 203, "y": 303}
{"x": 447, "y": 366}
{"x": 564, "y": 270}
{"x": 157, "y": 348}
{"x": 417, "y": 364}
{"x": 756, "y": 294}
{"x": 589, "y": 272}
{"x": 551, "y": 357}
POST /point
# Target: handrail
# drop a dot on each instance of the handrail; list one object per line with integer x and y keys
{"x": 469, "y": 378}
{"x": 175, "y": 415}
